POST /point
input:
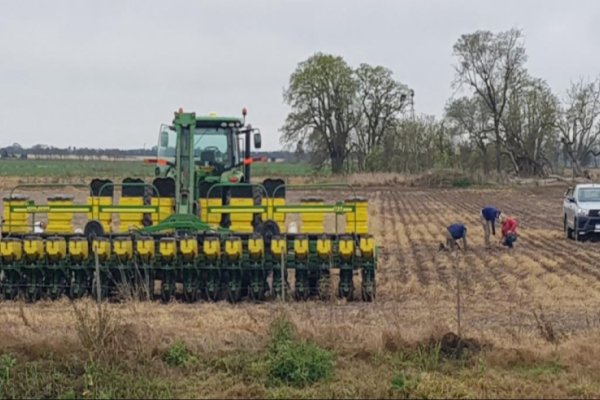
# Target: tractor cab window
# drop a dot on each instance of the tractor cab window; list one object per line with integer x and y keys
{"x": 214, "y": 146}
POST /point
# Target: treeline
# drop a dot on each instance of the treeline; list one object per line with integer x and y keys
{"x": 43, "y": 151}
{"x": 504, "y": 120}
{"x": 84, "y": 153}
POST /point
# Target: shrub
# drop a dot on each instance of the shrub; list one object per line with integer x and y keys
{"x": 98, "y": 330}
{"x": 178, "y": 354}
{"x": 427, "y": 358}
{"x": 461, "y": 182}
{"x": 403, "y": 385}
{"x": 296, "y": 362}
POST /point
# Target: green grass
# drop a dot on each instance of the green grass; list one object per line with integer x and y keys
{"x": 295, "y": 362}
{"x": 283, "y": 169}
{"x": 74, "y": 168}
{"x": 122, "y": 169}
{"x": 178, "y": 354}
{"x": 544, "y": 368}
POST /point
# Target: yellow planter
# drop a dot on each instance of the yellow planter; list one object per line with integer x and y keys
{"x": 358, "y": 222}
{"x": 11, "y": 249}
{"x": 313, "y": 221}
{"x": 60, "y": 222}
{"x": 78, "y": 249}
{"x": 56, "y": 248}
{"x": 15, "y": 222}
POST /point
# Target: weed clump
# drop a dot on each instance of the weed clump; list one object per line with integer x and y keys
{"x": 178, "y": 354}
{"x": 295, "y": 362}
{"x": 7, "y": 363}
{"x": 402, "y": 385}
{"x": 102, "y": 334}
{"x": 461, "y": 182}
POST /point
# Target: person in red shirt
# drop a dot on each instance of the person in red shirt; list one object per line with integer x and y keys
{"x": 509, "y": 231}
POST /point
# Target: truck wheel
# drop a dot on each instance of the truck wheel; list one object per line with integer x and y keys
{"x": 568, "y": 231}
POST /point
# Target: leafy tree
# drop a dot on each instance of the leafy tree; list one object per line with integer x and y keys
{"x": 322, "y": 93}
{"x": 412, "y": 146}
{"x": 382, "y": 99}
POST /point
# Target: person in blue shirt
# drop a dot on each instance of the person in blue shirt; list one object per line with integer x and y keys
{"x": 454, "y": 233}
{"x": 489, "y": 215}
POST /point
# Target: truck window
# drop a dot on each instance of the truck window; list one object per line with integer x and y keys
{"x": 588, "y": 195}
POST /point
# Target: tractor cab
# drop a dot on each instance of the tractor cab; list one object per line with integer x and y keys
{"x": 215, "y": 145}
{"x": 218, "y": 146}
{"x": 197, "y": 150}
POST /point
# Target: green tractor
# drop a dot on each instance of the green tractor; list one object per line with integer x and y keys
{"x": 200, "y": 230}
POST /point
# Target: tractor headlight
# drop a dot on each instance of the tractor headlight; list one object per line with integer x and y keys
{"x": 582, "y": 212}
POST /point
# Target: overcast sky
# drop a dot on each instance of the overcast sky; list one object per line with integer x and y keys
{"x": 106, "y": 74}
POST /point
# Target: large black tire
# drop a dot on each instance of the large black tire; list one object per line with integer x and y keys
{"x": 576, "y": 234}
{"x": 93, "y": 229}
{"x": 568, "y": 231}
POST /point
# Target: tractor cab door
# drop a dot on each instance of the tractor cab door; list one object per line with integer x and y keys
{"x": 167, "y": 149}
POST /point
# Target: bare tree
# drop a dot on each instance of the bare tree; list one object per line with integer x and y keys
{"x": 530, "y": 128}
{"x": 492, "y": 65}
{"x": 579, "y": 125}
{"x": 473, "y": 119}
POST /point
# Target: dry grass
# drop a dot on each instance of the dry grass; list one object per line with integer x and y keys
{"x": 375, "y": 344}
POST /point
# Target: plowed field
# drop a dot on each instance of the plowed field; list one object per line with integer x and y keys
{"x": 504, "y": 290}
{"x": 536, "y": 306}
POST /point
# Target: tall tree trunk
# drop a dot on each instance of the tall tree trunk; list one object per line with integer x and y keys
{"x": 486, "y": 161}
{"x": 337, "y": 163}
{"x": 498, "y": 150}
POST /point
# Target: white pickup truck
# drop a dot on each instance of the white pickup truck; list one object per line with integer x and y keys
{"x": 581, "y": 211}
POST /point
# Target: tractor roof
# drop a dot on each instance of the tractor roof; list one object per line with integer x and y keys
{"x": 211, "y": 120}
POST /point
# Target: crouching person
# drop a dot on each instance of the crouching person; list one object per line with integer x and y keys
{"x": 509, "y": 231}
{"x": 454, "y": 233}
